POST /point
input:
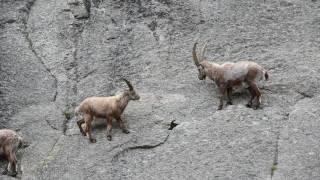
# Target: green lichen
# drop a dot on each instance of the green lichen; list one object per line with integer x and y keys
{"x": 67, "y": 114}
{"x": 273, "y": 169}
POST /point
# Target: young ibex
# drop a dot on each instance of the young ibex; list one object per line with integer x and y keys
{"x": 229, "y": 75}
{"x": 10, "y": 141}
{"x": 104, "y": 107}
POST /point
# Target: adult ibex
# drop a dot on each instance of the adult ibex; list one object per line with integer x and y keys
{"x": 229, "y": 74}
{"x": 104, "y": 107}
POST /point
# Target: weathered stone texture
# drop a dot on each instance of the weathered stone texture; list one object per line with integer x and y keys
{"x": 53, "y": 54}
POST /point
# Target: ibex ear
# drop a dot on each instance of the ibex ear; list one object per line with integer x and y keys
{"x": 200, "y": 67}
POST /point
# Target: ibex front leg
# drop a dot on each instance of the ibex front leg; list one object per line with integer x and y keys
{"x": 109, "y": 128}
{"x": 229, "y": 94}
{"x": 257, "y": 92}
{"x": 122, "y": 126}
{"x": 253, "y": 95}
{"x": 11, "y": 157}
{"x": 222, "y": 89}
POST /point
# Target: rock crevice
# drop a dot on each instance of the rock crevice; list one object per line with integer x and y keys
{"x": 25, "y": 17}
{"x": 137, "y": 147}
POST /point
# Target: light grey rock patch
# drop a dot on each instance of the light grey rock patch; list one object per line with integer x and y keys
{"x": 298, "y": 156}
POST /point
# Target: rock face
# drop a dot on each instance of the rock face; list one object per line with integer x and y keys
{"x": 55, "y": 53}
{"x": 79, "y": 8}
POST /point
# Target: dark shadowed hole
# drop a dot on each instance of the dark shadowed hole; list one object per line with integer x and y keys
{"x": 173, "y": 125}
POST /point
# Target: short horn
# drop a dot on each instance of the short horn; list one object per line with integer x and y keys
{"x": 128, "y": 83}
{"x": 194, "y": 55}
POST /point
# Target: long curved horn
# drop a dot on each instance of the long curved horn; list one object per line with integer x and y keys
{"x": 194, "y": 55}
{"x": 128, "y": 83}
{"x": 203, "y": 50}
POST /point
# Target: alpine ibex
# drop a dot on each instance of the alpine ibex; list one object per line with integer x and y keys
{"x": 10, "y": 141}
{"x": 104, "y": 107}
{"x": 229, "y": 75}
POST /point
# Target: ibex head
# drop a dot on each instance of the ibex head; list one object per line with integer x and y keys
{"x": 132, "y": 93}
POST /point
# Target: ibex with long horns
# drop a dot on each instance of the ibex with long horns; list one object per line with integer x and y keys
{"x": 228, "y": 75}
{"x": 104, "y": 107}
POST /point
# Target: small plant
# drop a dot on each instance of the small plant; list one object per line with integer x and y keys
{"x": 273, "y": 169}
{"x": 67, "y": 114}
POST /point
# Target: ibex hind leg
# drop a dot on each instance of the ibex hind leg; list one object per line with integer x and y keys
{"x": 222, "y": 89}
{"x": 88, "y": 120}
{"x": 79, "y": 123}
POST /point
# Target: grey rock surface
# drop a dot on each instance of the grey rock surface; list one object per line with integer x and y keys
{"x": 79, "y": 8}
{"x": 298, "y": 155}
{"x": 53, "y": 54}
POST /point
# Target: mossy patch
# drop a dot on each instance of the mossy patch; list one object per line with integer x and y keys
{"x": 273, "y": 169}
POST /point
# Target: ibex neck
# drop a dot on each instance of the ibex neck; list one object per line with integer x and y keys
{"x": 212, "y": 69}
{"x": 123, "y": 101}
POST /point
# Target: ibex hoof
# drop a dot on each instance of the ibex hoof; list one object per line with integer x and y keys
{"x": 220, "y": 108}
{"x": 126, "y": 131}
{"x": 248, "y": 105}
{"x": 255, "y": 107}
{"x": 13, "y": 174}
{"x": 83, "y": 134}
{"x": 229, "y": 103}
{"x": 92, "y": 140}
{"x": 109, "y": 138}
